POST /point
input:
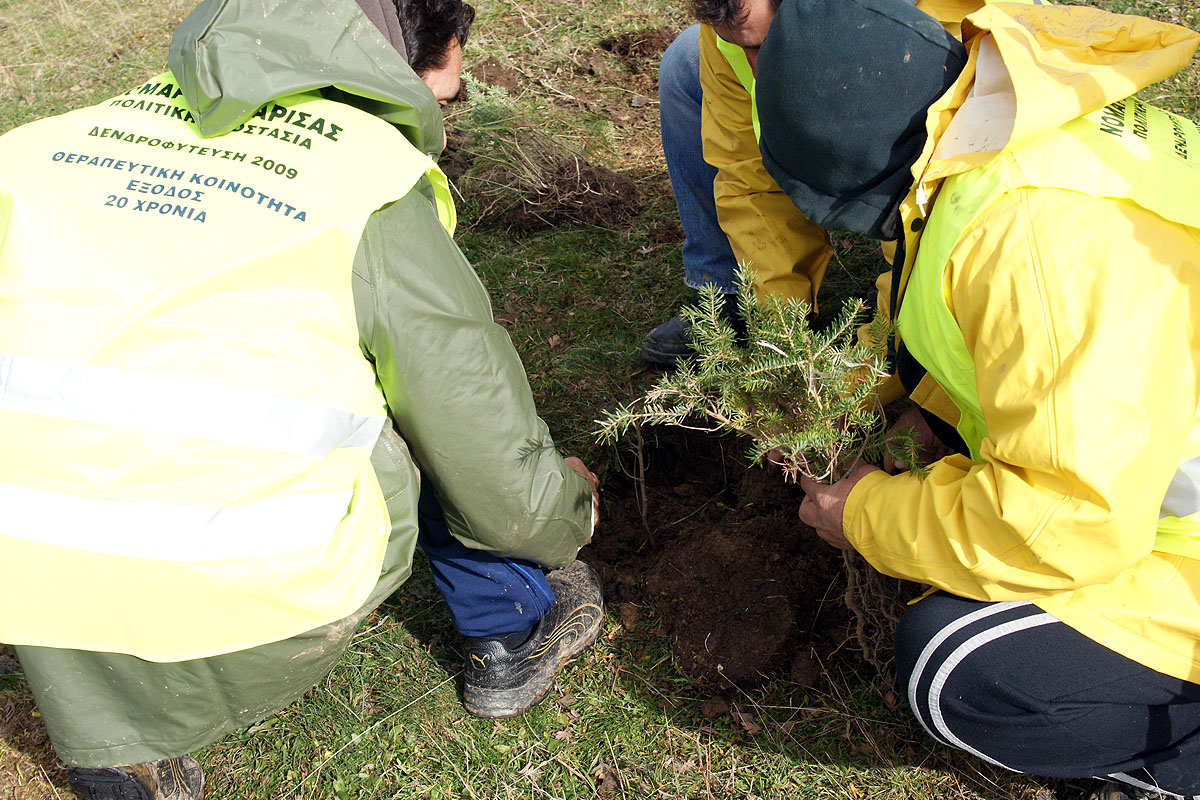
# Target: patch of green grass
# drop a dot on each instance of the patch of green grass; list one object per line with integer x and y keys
{"x": 576, "y": 302}
{"x": 622, "y": 723}
{"x": 58, "y": 55}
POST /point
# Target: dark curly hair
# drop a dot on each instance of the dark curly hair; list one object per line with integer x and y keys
{"x": 428, "y": 26}
{"x": 718, "y": 12}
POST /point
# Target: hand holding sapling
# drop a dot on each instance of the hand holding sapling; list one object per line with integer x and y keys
{"x": 825, "y": 503}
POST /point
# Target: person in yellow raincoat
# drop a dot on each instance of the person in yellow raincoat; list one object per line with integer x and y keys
{"x": 1046, "y": 290}
{"x": 731, "y": 210}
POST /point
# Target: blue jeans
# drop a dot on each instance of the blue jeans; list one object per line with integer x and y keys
{"x": 488, "y": 595}
{"x": 707, "y": 257}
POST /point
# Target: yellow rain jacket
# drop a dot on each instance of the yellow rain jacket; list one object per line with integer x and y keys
{"x": 1076, "y": 287}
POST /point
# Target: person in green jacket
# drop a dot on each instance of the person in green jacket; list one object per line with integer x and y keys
{"x": 1045, "y": 289}
{"x": 272, "y": 376}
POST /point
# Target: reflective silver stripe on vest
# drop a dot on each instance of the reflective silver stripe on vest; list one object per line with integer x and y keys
{"x": 169, "y": 532}
{"x": 1183, "y": 495}
{"x": 181, "y": 407}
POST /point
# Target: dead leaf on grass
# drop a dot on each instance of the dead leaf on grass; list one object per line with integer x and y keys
{"x": 608, "y": 780}
{"x": 745, "y": 720}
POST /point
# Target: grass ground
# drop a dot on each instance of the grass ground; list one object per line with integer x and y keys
{"x": 624, "y": 723}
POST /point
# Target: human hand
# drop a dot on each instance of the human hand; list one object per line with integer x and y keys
{"x": 824, "y": 504}
{"x": 930, "y": 446}
{"x": 577, "y": 465}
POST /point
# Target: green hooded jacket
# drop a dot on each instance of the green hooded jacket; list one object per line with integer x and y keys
{"x": 456, "y": 391}
{"x": 453, "y": 383}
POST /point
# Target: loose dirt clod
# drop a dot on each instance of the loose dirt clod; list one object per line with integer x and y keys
{"x": 648, "y": 43}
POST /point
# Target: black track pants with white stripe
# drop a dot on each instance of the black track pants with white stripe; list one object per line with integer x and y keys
{"x": 1016, "y": 687}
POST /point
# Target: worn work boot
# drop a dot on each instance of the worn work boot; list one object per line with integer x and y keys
{"x": 170, "y": 779}
{"x": 1121, "y": 791}
{"x": 502, "y": 682}
{"x": 667, "y": 344}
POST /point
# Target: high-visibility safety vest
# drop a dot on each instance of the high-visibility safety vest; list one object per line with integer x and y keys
{"x": 186, "y": 414}
{"x": 1128, "y": 150}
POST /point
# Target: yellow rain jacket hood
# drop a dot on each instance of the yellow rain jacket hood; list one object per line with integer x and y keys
{"x": 1069, "y": 268}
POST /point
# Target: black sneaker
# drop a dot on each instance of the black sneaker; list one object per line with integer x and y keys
{"x": 667, "y": 343}
{"x": 169, "y": 779}
{"x": 671, "y": 341}
{"x": 501, "y": 682}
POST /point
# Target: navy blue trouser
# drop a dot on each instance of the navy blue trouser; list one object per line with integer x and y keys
{"x": 488, "y": 595}
{"x": 1016, "y": 687}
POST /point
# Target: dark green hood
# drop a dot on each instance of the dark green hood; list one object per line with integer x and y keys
{"x": 232, "y": 56}
{"x": 843, "y": 87}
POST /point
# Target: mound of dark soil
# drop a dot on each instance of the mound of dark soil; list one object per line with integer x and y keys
{"x": 572, "y": 190}
{"x": 712, "y": 577}
{"x": 647, "y": 43}
{"x": 746, "y": 591}
{"x": 493, "y": 73}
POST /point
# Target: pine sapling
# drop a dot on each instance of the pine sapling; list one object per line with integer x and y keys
{"x": 805, "y": 398}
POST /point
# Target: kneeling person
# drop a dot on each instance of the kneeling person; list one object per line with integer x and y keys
{"x": 1047, "y": 287}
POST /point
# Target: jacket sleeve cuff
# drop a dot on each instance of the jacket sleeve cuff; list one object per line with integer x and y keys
{"x": 855, "y": 502}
